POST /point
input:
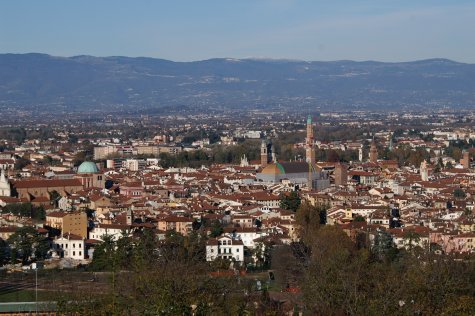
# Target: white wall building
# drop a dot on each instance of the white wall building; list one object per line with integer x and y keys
{"x": 113, "y": 230}
{"x": 247, "y": 236}
{"x": 70, "y": 246}
{"x": 226, "y": 248}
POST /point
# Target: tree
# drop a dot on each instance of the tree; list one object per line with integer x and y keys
{"x": 146, "y": 249}
{"x": 41, "y": 246}
{"x": 26, "y": 242}
{"x": 412, "y": 239}
{"x": 4, "y": 252}
{"x": 334, "y": 279}
{"x": 38, "y": 213}
{"x": 288, "y": 268}
{"x": 104, "y": 255}
{"x": 124, "y": 251}
{"x": 290, "y": 201}
{"x": 308, "y": 221}
{"x": 459, "y": 194}
{"x": 195, "y": 247}
{"x": 172, "y": 248}
{"x": 216, "y": 229}
{"x": 383, "y": 247}
{"x": 79, "y": 158}
{"x": 20, "y": 209}
{"x": 262, "y": 254}
{"x": 54, "y": 196}
{"x": 47, "y": 160}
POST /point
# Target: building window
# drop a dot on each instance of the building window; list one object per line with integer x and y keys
{"x": 80, "y": 253}
{"x": 74, "y": 253}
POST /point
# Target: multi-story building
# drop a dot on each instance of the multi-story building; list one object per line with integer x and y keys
{"x": 226, "y": 248}
{"x": 180, "y": 224}
{"x": 103, "y": 151}
{"x": 68, "y": 222}
{"x": 70, "y": 246}
{"x": 115, "y": 231}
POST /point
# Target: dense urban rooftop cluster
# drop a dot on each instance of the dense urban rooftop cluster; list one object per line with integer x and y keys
{"x": 78, "y": 185}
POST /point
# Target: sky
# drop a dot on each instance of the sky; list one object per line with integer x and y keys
{"x": 179, "y": 30}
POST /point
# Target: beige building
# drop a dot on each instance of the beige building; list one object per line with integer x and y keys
{"x": 104, "y": 151}
{"x": 182, "y": 225}
{"x": 341, "y": 174}
{"x": 73, "y": 223}
{"x": 100, "y": 204}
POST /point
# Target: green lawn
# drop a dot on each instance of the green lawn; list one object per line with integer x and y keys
{"x": 24, "y": 296}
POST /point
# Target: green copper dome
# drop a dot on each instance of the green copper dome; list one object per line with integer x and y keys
{"x": 88, "y": 167}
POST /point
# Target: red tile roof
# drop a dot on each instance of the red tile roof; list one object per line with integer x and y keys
{"x": 26, "y": 184}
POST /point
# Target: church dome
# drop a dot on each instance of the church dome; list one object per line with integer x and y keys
{"x": 88, "y": 167}
{"x": 273, "y": 168}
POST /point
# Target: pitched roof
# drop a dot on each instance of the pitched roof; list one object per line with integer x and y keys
{"x": 27, "y": 184}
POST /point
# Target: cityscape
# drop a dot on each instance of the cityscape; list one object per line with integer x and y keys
{"x": 234, "y": 185}
{"x": 203, "y": 184}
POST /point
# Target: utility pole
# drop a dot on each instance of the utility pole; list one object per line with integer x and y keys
{"x": 35, "y": 266}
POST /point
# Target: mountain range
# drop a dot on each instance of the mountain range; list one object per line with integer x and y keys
{"x": 85, "y": 82}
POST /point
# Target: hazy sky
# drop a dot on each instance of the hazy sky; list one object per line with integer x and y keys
{"x": 385, "y": 30}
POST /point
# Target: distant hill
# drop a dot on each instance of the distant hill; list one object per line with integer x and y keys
{"x": 86, "y": 82}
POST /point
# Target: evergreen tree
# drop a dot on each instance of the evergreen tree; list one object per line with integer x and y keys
{"x": 104, "y": 255}
{"x": 291, "y": 201}
{"x": 216, "y": 229}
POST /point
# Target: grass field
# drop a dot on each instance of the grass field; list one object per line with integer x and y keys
{"x": 24, "y": 296}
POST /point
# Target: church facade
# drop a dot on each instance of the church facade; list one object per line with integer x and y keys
{"x": 302, "y": 173}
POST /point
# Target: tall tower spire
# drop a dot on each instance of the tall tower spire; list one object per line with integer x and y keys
{"x": 310, "y": 152}
{"x": 465, "y": 161}
{"x": 390, "y": 141}
{"x": 309, "y": 142}
{"x": 373, "y": 152}
{"x": 264, "y": 154}
{"x": 424, "y": 171}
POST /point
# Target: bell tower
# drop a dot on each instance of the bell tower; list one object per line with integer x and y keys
{"x": 264, "y": 154}
{"x": 465, "y": 161}
{"x": 310, "y": 143}
{"x": 373, "y": 152}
